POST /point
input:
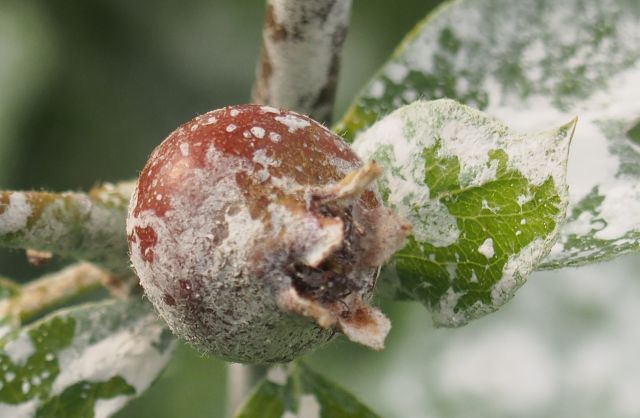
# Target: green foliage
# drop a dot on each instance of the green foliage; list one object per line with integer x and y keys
{"x": 484, "y": 202}
{"x": 536, "y": 64}
{"x": 299, "y": 391}
{"x": 82, "y": 360}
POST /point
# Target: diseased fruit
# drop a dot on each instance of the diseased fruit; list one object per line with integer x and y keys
{"x": 256, "y": 234}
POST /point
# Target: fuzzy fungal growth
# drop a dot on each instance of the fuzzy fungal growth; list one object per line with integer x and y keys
{"x": 257, "y": 234}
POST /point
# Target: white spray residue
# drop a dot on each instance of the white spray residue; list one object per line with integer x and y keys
{"x": 293, "y": 122}
{"x": 20, "y": 349}
{"x": 486, "y": 248}
{"x": 15, "y": 215}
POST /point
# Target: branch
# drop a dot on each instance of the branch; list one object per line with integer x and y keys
{"x": 52, "y": 290}
{"x": 300, "y": 61}
{"x": 88, "y": 227}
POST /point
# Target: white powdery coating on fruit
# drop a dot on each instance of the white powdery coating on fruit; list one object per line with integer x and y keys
{"x": 15, "y": 215}
{"x": 270, "y": 109}
{"x": 258, "y": 132}
{"x": 260, "y": 156}
{"x": 130, "y": 353}
{"x": 218, "y": 236}
{"x": 25, "y": 409}
{"x": 20, "y": 349}
{"x": 293, "y": 122}
{"x": 275, "y": 137}
{"x": 184, "y": 149}
{"x": 486, "y": 249}
{"x": 430, "y": 219}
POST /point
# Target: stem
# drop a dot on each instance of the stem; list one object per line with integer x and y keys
{"x": 300, "y": 60}
{"x": 88, "y": 227}
{"x": 52, "y": 290}
{"x": 298, "y": 70}
{"x": 241, "y": 379}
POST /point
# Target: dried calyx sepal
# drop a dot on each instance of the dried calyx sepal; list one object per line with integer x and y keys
{"x": 257, "y": 232}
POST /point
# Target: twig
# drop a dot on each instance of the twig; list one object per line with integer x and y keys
{"x": 300, "y": 61}
{"x": 88, "y": 227}
{"x": 52, "y": 290}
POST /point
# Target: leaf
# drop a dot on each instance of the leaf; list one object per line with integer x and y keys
{"x": 86, "y": 361}
{"x": 300, "y": 392}
{"x": 82, "y": 226}
{"x": 8, "y": 290}
{"x": 536, "y": 64}
{"x": 484, "y": 203}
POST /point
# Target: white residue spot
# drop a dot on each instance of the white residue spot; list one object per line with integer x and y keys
{"x": 445, "y": 313}
{"x": 274, "y": 137}
{"x": 246, "y": 134}
{"x": 269, "y": 109}
{"x": 159, "y": 196}
{"x": 376, "y": 90}
{"x": 293, "y": 122}
{"x": 20, "y": 349}
{"x": 277, "y": 375}
{"x": 194, "y": 127}
{"x": 234, "y": 112}
{"x": 309, "y": 407}
{"x": 16, "y": 214}
{"x": 409, "y": 196}
{"x": 130, "y": 353}
{"x": 210, "y": 120}
{"x": 22, "y": 410}
{"x": 105, "y": 408}
{"x": 258, "y": 132}
{"x": 522, "y": 199}
{"x": 261, "y": 157}
{"x": 486, "y": 249}
{"x": 231, "y": 127}
{"x": 26, "y": 386}
{"x": 184, "y": 149}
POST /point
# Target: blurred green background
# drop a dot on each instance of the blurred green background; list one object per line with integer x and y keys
{"x": 87, "y": 89}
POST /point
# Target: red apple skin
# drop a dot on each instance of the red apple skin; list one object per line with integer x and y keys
{"x": 218, "y": 223}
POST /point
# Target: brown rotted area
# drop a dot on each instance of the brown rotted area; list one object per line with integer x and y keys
{"x": 339, "y": 275}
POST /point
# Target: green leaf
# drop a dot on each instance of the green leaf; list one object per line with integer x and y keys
{"x": 536, "y": 64}
{"x": 300, "y": 392}
{"x": 82, "y": 362}
{"x": 484, "y": 202}
{"x": 8, "y": 289}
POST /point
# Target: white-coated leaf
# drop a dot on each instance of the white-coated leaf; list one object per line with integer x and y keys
{"x": 535, "y": 64}
{"x": 86, "y": 361}
{"x": 485, "y": 203}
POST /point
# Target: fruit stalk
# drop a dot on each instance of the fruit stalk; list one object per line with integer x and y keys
{"x": 300, "y": 61}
